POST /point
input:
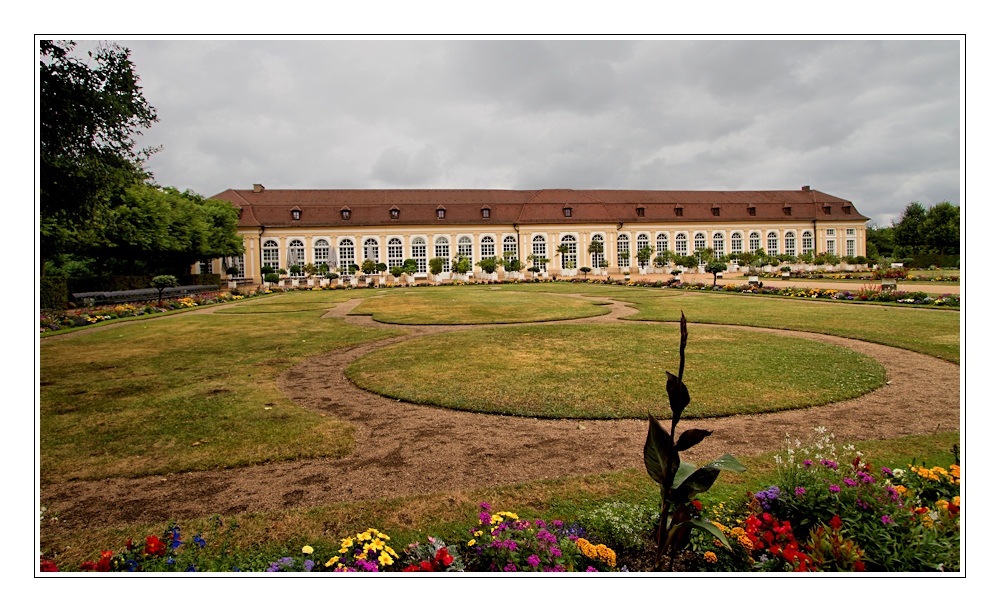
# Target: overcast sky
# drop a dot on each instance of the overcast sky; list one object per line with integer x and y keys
{"x": 876, "y": 123}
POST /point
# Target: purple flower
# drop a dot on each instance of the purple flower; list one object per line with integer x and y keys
{"x": 555, "y": 552}
{"x": 807, "y": 463}
{"x": 533, "y": 560}
{"x": 800, "y": 491}
{"x": 865, "y": 478}
{"x": 886, "y": 519}
{"x": 486, "y": 506}
{"x": 554, "y": 568}
{"x": 557, "y": 523}
{"x": 510, "y": 567}
{"x": 309, "y": 565}
{"x": 830, "y": 464}
{"x": 591, "y": 568}
{"x": 484, "y": 518}
{"x": 540, "y": 523}
{"x": 834, "y": 489}
{"x": 886, "y": 471}
{"x": 546, "y": 536}
{"x": 850, "y": 483}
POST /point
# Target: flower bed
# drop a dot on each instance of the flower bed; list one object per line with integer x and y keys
{"x": 82, "y": 317}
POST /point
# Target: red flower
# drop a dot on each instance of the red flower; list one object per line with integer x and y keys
{"x": 48, "y": 566}
{"x": 697, "y": 505}
{"x": 859, "y": 566}
{"x": 154, "y": 546}
{"x": 442, "y": 557}
{"x": 835, "y": 522}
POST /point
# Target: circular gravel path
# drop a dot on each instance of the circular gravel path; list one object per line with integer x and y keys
{"x": 406, "y": 449}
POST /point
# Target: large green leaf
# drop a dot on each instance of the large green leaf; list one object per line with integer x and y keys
{"x": 656, "y": 453}
{"x": 702, "y": 479}
{"x": 683, "y": 472}
{"x": 701, "y": 523}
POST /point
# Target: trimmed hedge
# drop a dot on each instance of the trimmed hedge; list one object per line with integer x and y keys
{"x": 86, "y": 284}
{"x": 942, "y": 261}
{"x": 53, "y": 292}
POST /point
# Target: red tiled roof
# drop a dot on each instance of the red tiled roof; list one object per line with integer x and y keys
{"x": 271, "y": 207}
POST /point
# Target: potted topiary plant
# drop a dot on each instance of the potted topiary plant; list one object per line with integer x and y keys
{"x": 460, "y": 268}
{"x": 410, "y": 269}
{"x": 715, "y": 267}
{"x": 585, "y": 271}
{"x": 162, "y": 282}
{"x": 489, "y": 267}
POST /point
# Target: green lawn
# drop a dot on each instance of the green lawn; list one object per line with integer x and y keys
{"x": 613, "y": 371}
{"x": 473, "y": 305}
{"x": 298, "y": 301}
{"x": 263, "y": 537}
{"x": 184, "y": 393}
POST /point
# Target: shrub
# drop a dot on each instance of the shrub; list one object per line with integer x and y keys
{"x": 436, "y": 265}
{"x": 622, "y": 525}
{"x": 271, "y": 277}
{"x": 53, "y": 292}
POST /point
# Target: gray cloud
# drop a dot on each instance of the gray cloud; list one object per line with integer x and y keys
{"x": 876, "y": 122}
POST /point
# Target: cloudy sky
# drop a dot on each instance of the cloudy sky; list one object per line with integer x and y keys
{"x": 870, "y": 121}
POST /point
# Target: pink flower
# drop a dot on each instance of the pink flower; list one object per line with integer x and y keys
{"x": 834, "y": 489}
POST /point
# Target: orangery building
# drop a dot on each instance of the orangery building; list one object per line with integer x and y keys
{"x": 340, "y": 227}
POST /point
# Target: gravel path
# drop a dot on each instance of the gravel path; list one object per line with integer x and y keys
{"x": 404, "y": 449}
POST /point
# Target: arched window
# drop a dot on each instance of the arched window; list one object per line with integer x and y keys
{"x": 346, "y": 252}
{"x": 296, "y": 256}
{"x": 465, "y": 248}
{"x": 443, "y": 250}
{"x": 662, "y": 243}
{"x": 772, "y": 244}
{"x": 395, "y": 253}
{"x": 754, "y": 242}
{"x": 681, "y": 244}
{"x": 624, "y": 257}
{"x": 736, "y": 242}
{"x": 569, "y": 257}
{"x": 269, "y": 255}
{"x": 418, "y": 251}
{"x": 538, "y": 249}
{"x": 321, "y": 252}
{"x": 789, "y": 243}
{"x": 487, "y": 247}
{"x": 597, "y": 244}
{"x": 807, "y": 242}
{"x": 371, "y": 249}
{"x": 719, "y": 243}
{"x": 699, "y": 241}
{"x": 642, "y": 242}
{"x": 510, "y": 246}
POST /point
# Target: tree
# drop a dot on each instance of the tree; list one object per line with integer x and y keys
{"x": 462, "y": 265}
{"x": 368, "y": 266}
{"x": 585, "y": 271}
{"x": 643, "y": 256}
{"x": 908, "y": 230}
{"x": 410, "y": 266}
{"x": 162, "y": 282}
{"x": 563, "y": 250}
{"x": 880, "y": 241}
{"x": 941, "y": 229}
{"x": 715, "y": 266}
{"x": 596, "y": 248}
{"x": 436, "y": 265}
{"x": 488, "y": 265}
{"x": 89, "y": 117}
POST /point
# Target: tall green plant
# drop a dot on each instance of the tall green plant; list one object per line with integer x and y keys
{"x": 679, "y": 481}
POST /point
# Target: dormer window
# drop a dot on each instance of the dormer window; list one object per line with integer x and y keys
{"x": 393, "y": 213}
{"x": 847, "y": 210}
{"x": 678, "y": 211}
{"x": 788, "y": 211}
{"x": 716, "y": 211}
{"x": 826, "y": 210}
{"x": 752, "y": 211}
{"x": 486, "y": 213}
{"x": 296, "y": 214}
{"x": 440, "y": 213}
{"x": 567, "y": 212}
{"x": 640, "y": 211}
{"x": 345, "y": 213}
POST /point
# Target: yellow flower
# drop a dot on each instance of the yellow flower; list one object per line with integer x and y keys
{"x": 384, "y": 558}
{"x": 717, "y": 542}
{"x": 901, "y": 489}
{"x": 472, "y": 542}
{"x": 941, "y": 504}
{"x": 307, "y": 549}
{"x": 331, "y": 561}
{"x": 957, "y": 500}
{"x": 710, "y": 557}
{"x": 745, "y": 542}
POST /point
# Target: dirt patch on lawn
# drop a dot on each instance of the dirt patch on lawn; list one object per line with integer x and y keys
{"x": 405, "y": 449}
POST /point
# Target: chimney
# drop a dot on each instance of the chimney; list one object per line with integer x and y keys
{"x": 257, "y": 188}
{"x": 804, "y": 188}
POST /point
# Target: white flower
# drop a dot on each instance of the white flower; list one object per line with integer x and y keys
{"x": 898, "y": 472}
{"x": 820, "y": 429}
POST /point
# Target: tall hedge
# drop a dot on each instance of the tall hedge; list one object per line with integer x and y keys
{"x": 53, "y": 293}
{"x": 86, "y": 284}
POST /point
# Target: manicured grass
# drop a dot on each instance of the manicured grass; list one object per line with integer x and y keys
{"x": 298, "y": 301}
{"x": 264, "y": 537}
{"x": 932, "y": 332}
{"x": 613, "y": 371}
{"x": 468, "y": 305}
{"x": 184, "y": 393}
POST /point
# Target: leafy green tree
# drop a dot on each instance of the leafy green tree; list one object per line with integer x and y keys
{"x": 908, "y": 230}
{"x": 162, "y": 282}
{"x": 396, "y": 271}
{"x": 880, "y": 241}
{"x": 596, "y": 248}
{"x": 410, "y": 266}
{"x": 585, "y": 271}
{"x": 488, "y": 265}
{"x": 89, "y": 117}
{"x": 381, "y": 267}
{"x": 368, "y": 266}
{"x": 643, "y": 255}
{"x": 462, "y": 265}
{"x": 714, "y": 267}
{"x": 941, "y": 229}
{"x": 436, "y": 265}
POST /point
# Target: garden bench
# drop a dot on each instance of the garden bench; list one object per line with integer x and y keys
{"x": 96, "y": 298}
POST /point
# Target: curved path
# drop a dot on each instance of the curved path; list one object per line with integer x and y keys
{"x": 404, "y": 449}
